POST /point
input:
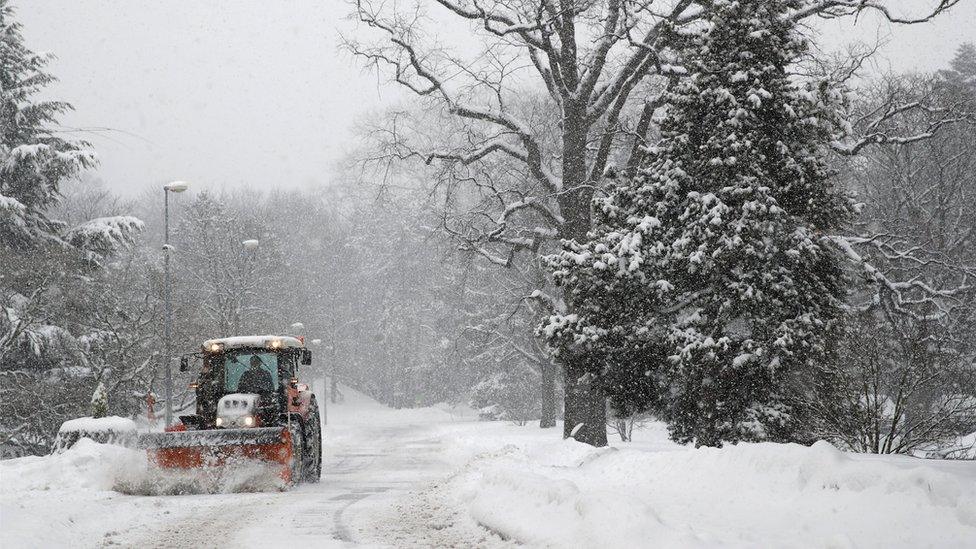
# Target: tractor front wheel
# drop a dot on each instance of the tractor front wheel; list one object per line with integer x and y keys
{"x": 297, "y": 461}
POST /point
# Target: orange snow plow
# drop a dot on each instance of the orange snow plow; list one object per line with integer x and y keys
{"x": 181, "y": 449}
{"x": 250, "y": 408}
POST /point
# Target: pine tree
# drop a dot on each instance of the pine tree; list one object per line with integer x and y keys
{"x": 47, "y": 268}
{"x": 99, "y": 401}
{"x": 707, "y": 289}
{"x": 964, "y": 62}
{"x": 34, "y": 160}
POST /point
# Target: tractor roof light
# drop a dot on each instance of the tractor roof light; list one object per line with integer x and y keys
{"x": 215, "y": 347}
{"x": 275, "y": 343}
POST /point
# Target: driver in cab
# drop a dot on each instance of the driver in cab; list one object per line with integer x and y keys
{"x": 256, "y": 379}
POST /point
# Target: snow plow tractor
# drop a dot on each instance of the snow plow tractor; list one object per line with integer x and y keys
{"x": 250, "y": 407}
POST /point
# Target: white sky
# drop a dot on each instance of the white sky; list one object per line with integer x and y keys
{"x": 248, "y": 92}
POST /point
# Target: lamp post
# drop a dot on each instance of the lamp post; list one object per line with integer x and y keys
{"x": 174, "y": 187}
{"x": 248, "y": 248}
{"x": 325, "y": 402}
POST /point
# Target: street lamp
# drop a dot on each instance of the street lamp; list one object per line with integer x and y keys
{"x": 173, "y": 187}
{"x": 248, "y": 248}
{"x": 298, "y": 328}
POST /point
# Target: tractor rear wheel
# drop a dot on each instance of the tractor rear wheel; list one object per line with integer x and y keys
{"x": 297, "y": 461}
{"x": 313, "y": 444}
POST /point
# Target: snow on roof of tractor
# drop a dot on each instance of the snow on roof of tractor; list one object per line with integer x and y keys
{"x": 252, "y": 341}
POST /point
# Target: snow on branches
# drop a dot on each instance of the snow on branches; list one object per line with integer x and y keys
{"x": 104, "y": 235}
{"x": 712, "y": 265}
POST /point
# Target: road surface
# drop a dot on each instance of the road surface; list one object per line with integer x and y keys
{"x": 364, "y": 476}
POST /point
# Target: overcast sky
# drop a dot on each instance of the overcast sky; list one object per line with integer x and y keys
{"x": 224, "y": 93}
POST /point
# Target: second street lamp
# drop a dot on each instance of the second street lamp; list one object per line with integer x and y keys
{"x": 248, "y": 251}
{"x": 174, "y": 187}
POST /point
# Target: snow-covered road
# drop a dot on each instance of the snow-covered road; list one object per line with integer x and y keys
{"x": 364, "y": 475}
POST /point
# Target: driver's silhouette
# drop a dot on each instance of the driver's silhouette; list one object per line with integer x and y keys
{"x": 256, "y": 379}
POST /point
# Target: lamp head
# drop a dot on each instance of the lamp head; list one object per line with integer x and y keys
{"x": 176, "y": 186}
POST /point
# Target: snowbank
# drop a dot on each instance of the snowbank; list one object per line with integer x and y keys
{"x": 83, "y": 496}
{"x": 61, "y": 499}
{"x": 87, "y": 465}
{"x": 562, "y": 493}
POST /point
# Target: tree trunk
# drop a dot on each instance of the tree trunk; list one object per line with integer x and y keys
{"x": 585, "y": 415}
{"x": 622, "y": 429}
{"x": 334, "y": 392}
{"x": 585, "y": 418}
{"x": 548, "y": 396}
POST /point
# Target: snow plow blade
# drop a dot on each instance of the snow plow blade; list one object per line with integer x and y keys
{"x": 191, "y": 449}
{"x": 213, "y": 437}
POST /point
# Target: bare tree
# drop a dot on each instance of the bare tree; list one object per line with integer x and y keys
{"x": 910, "y": 354}
{"x": 498, "y": 329}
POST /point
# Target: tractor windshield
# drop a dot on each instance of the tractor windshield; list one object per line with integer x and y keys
{"x": 250, "y": 372}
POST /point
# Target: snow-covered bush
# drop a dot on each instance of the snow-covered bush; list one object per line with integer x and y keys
{"x": 508, "y": 395}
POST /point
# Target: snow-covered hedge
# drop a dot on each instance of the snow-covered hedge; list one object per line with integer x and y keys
{"x": 115, "y": 430}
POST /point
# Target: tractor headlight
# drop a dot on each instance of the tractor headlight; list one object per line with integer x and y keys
{"x": 249, "y": 421}
{"x": 219, "y": 422}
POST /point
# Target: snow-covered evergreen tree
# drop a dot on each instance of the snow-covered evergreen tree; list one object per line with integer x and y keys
{"x": 47, "y": 267}
{"x": 964, "y": 62}
{"x": 99, "y": 401}
{"x": 34, "y": 160}
{"x": 707, "y": 289}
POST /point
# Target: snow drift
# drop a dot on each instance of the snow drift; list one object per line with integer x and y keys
{"x": 87, "y": 465}
{"x": 774, "y": 495}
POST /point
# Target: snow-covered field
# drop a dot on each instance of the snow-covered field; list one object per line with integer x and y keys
{"x": 434, "y": 477}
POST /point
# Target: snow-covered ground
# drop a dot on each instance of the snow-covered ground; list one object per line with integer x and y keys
{"x": 654, "y": 493}
{"x": 435, "y": 477}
